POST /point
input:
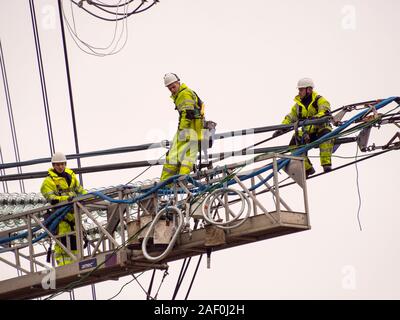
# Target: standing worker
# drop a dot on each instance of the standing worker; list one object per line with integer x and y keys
{"x": 310, "y": 105}
{"x": 182, "y": 155}
{"x": 60, "y": 185}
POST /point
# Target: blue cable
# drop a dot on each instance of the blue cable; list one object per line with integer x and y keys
{"x": 57, "y": 215}
{"x": 283, "y": 162}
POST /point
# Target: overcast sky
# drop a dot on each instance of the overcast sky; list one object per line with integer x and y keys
{"x": 243, "y": 59}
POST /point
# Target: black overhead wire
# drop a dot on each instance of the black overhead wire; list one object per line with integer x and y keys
{"x": 148, "y": 296}
{"x": 142, "y": 172}
{"x": 115, "y": 13}
{"x": 393, "y": 118}
{"x": 194, "y": 276}
{"x": 337, "y": 168}
{"x": 181, "y": 276}
{"x": 155, "y": 145}
{"x": 11, "y": 116}
{"x": 358, "y": 192}
{"x": 92, "y": 49}
{"x": 91, "y": 169}
{"x": 151, "y": 285}
{"x": 85, "y": 155}
{"x": 3, "y": 172}
{"x": 322, "y": 173}
{"x": 109, "y": 5}
{"x": 69, "y": 87}
{"x": 135, "y": 11}
{"x": 355, "y": 105}
{"x": 144, "y": 290}
{"x": 139, "y": 164}
{"x": 162, "y": 281}
{"x": 120, "y": 290}
{"x": 42, "y": 78}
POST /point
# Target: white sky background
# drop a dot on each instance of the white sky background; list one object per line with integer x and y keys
{"x": 243, "y": 59}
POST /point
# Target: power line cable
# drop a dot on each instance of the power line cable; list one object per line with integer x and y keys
{"x": 92, "y": 49}
{"x": 151, "y": 165}
{"x": 358, "y": 191}
{"x": 105, "y": 5}
{"x": 155, "y": 145}
{"x": 3, "y": 172}
{"x": 101, "y": 4}
{"x": 135, "y": 11}
{"x": 181, "y": 276}
{"x": 144, "y": 290}
{"x": 162, "y": 281}
{"x": 75, "y": 33}
{"x": 194, "y": 276}
{"x": 42, "y": 78}
{"x": 69, "y": 87}
{"x": 120, "y": 290}
{"x": 151, "y": 284}
{"x": 115, "y": 13}
{"x": 11, "y": 115}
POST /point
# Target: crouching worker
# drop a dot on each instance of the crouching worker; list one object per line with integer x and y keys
{"x": 60, "y": 185}
{"x": 310, "y": 105}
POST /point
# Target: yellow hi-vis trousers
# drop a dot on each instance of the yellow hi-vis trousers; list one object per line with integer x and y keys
{"x": 325, "y": 148}
{"x": 182, "y": 155}
{"x": 64, "y": 227}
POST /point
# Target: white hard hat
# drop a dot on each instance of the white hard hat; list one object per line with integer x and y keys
{"x": 305, "y": 83}
{"x": 170, "y": 78}
{"x": 58, "y": 157}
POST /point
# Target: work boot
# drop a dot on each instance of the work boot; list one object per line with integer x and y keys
{"x": 327, "y": 167}
{"x": 310, "y": 171}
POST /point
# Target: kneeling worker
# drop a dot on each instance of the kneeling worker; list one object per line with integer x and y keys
{"x": 310, "y": 105}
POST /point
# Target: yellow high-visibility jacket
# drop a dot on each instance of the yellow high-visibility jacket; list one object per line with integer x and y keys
{"x": 55, "y": 187}
{"x": 317, "y": 108}
{"x": 190, "y": 114}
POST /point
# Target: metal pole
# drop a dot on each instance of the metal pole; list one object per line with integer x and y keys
{"x": 31, "y": 251}
{"x": 276, "y": 186}
{"x": 305, "y": 193}
{"x": 70, "y": 88}
{"x": 93, "y": 287}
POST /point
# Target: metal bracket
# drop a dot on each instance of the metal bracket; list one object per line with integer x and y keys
{"x": 362, "y": 139}
{"x": 295, "y": 169}
{"x": 390, "y": 143}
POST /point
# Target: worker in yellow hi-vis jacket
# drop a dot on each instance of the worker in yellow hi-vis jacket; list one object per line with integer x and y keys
{"x": 184, "y": 149}
{"x": 60, "y": 185}
{"x": 310, "y": 105}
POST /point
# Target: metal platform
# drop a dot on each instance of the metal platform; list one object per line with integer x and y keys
{"x": 116, "y": 253}
{"x": 125, "y": 262}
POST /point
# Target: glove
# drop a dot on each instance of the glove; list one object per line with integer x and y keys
{"x": 306, "y": 138}
{"x": 165, "y": 143}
